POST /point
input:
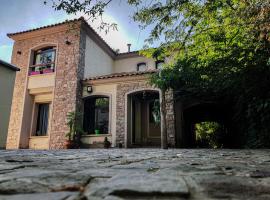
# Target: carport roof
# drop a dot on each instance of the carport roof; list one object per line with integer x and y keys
{"x": 8, "y": 65}
{"x": 121, "y": 74}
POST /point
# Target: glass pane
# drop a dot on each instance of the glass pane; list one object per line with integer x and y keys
{"x": 154, "y": 112}
{"x": 142, "y": 67}
{"x": 96, "y": 115}
{"x": 37, "y": 61}
{"x": 42, "y": 119}
{"x": 44, "y": 57}
{"x": 102, "y": 115}
{"x": 159, "y": 65}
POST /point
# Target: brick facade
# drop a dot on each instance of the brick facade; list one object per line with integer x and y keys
{"x": 68, "y": 88}
{"x": 68, "y": 64}
{"x": 67, "y": 93}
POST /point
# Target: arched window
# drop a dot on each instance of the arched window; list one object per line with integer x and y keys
{"x": 141, "y": 66}
{"x": 43, "y": 61}
{"x": 96, "y": 115}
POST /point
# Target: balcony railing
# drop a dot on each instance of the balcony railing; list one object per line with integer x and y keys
{"x": 41, "y": 69}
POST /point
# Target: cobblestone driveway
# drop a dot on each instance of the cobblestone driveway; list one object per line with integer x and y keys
{"x": 116, "y": 174}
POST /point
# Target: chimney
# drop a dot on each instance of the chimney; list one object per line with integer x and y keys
{"x": 129, "y": 45}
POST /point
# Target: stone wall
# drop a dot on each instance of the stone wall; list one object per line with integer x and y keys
{"x": 127, "y": 87}
{"x": 170, "y": 119}
{"x": 66, "y": 88}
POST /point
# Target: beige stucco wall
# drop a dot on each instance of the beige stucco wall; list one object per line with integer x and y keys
{"x": 41, "y": 81}
{"x": 97, "y": 61}
{"x": 110, "y": 91}
{"x": 95, "y": 139}
{"x": 7, "y": 78}
{"x": 40, "y": 142}
{"x": 130, "y": 64}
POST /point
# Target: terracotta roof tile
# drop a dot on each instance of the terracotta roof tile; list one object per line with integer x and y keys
{"x": 62, "y": 23}
{"x": 43, "y": 27}
{"x": 116, "y": 55}
{"x": 121, "y": 74}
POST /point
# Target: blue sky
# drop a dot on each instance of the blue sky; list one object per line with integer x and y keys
{"x": 19, "y": 15}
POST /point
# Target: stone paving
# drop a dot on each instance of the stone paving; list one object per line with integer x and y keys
{"x": 116, "y": 174}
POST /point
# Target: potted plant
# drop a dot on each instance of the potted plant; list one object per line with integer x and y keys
{"x": 75, "y": 130}
{"x": 37, "y": 71}
{"x": 97, "y": 131}
{"x": 47, "y": 70}
{"x": 107, "y": 143}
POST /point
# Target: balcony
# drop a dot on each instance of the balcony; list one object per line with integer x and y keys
{"x": 46, "y": 68}
{"x": 41, "y": 80}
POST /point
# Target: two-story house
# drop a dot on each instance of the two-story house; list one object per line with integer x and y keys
{"x": 66, "y": 67}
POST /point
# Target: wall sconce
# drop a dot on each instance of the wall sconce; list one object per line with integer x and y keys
{"x": 89, "y": 89}
{"x": 19, "y": 52}
{"x": 68, "y": 42}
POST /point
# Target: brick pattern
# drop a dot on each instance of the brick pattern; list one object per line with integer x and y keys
{"x": 18, "y": 94}
{"x": 122, "y": 90}
{"x": 170, "y": 120}
{"x": 68, "y": 64}
{"x": 68, "y": 89}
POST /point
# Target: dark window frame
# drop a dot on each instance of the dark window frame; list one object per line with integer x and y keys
{"x": 159, "y": 61}
{"x": 140, "y": 64}
{"x": 90, "y": 125}
{"x": 42, "y": 119}
{"x": 43, "y": 68}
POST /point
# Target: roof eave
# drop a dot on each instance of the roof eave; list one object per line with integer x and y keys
{"x": 9, "y": 66}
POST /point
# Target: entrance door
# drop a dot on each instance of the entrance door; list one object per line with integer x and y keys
{"x": 145, "y": 121}
{"x": 153, "y": 123}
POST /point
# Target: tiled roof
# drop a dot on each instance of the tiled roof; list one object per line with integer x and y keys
{"x": 62, "y": 23}
{"x": 115, "y": 55}
{"x": 43, "y": 27}
{"x": 122, "y": 74}
{"x": 8, "y": 65}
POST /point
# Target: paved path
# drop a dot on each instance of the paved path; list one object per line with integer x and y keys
{"x": 116, "y": 174}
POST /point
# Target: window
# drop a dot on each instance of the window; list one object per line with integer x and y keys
{"x": 96, "y": 115}
{"x": 42, "y": 119}
{"x": 159, "y": 64}
{"x": 154, "y": 111}
{"x": 44, "y": 61}
{"x": 141, "y": 66}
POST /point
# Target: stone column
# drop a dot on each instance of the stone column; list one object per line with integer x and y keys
{"x": 169, "y": 98}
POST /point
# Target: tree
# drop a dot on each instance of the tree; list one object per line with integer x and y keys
{"x": 219, "y": 50}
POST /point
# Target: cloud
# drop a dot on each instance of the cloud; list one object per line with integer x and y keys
{"x": 117, "y": 39}
{"x": 5, "y": 52}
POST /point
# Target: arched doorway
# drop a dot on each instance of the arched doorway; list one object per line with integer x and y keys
{"x": 143, "y": 119}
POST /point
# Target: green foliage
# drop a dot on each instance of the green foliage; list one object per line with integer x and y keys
{"x": 93, "y": 9}
{"x": 209, "y": 135}
{"x": 74, "y": 122}
{"x": 224, "y": 58}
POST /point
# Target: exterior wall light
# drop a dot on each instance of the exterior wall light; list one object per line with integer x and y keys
{"x": 89, "y": 89}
